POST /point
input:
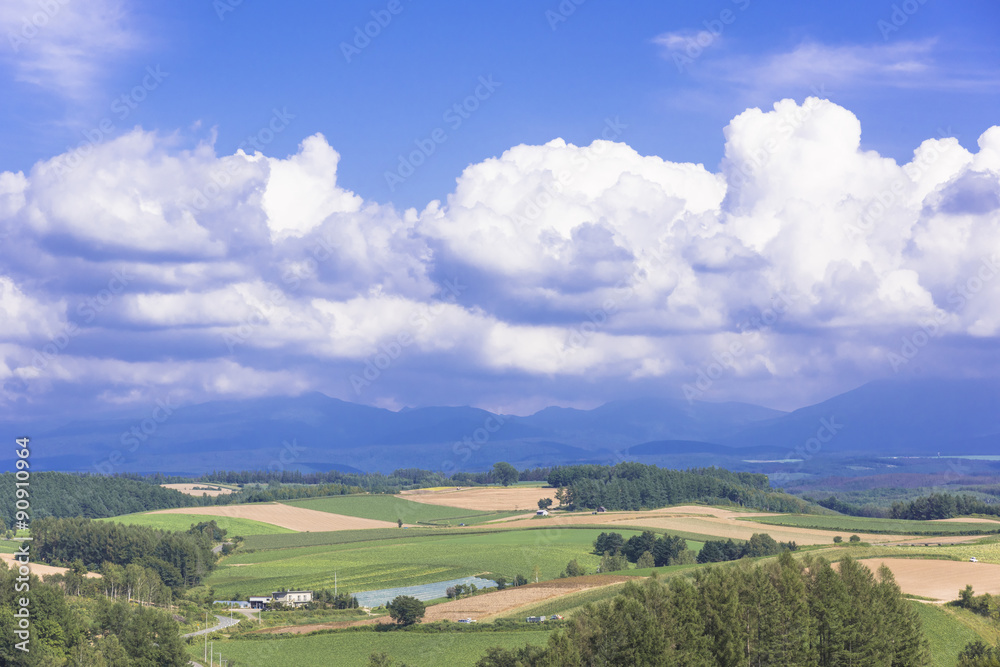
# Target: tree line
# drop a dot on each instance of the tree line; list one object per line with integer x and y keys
{"x": 759, "y": 544}
{"x": 784, "y": 612}
{"x": 635, "y": 486}
{"x": 925, "y": 508}
{"x": 58, "y": 494}
{"x": 81, "y": 631}
{"x": 93, "y": 496}
{"x": 179, "y": 559}
{"x": 658, "y": 551}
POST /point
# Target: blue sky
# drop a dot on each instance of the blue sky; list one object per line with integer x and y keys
{"x": 341, "y": 134}
{"x": 229, "y": 65}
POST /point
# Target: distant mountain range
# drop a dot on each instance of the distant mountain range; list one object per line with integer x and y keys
{"x": 316, "y": 432}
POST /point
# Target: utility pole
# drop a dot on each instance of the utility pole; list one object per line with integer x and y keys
{"x": 211, "y": 655}
{"x": 206, "y": 635}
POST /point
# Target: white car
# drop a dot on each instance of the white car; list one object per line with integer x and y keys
{"x": 973, "y": 560}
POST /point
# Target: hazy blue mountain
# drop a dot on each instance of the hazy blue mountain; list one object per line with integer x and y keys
{"x": 890, "y": 418}
{"x": 316, "y": 432}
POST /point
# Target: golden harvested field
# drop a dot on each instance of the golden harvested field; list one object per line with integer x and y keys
{"x": 721, "y": 523}
{"x": 286, "y": 516}
{"x": 483, "y": 497}
{"x": 967, "y": 520}
{"x": 728, "y": 527}
{"x": 939, "y": 579}
{"x": 484, "y": 606}
{"x": 928, "y": 540}
{"x": 40, "y": 569}
{"x": 190, "y": 490}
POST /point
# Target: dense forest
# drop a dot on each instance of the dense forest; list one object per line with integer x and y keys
{"x": 925, "y": 508}
{"x": 93, "y": 496}
{"x": 58, "y": 494}
{"x": 635, "y": 486}
{"x": 179, "y": 559}
{"x": 785, "y": 612}
{"x": 93, "y": 631}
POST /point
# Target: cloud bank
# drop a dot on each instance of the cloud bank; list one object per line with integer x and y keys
{"x": 557, "y": 273}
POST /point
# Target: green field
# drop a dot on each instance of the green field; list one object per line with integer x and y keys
{"x": 853, "y": 524}
{"x": 393, "y": 508}
{"x": 181, "y": 522}
{"x": 9, "y": 546}
{"x": 371, "y": 565}
{"x": 417, "y": 649}
{"x": 945, "y": 632}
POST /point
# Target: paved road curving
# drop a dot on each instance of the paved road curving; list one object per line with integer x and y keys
{"x": 224, "y": 622}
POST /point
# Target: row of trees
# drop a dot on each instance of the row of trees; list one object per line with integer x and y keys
{"x": 984, "y": 605}
{"x": 662, "y": 550}
{"x": 942, "y": 506}
{"x": 131, "y": 583}
{"x": 179, "y": 559}
{"x": 635, "y": 486}
{"x": 759, "y": 544}
{"x": 397, "y": 480}
{"x": 94, "y": 632}
{"x": 93, "y": 496}
{"x": 784, "y": 612}
{"x": 926, "y": 508}
{"x": 277, "y": 491}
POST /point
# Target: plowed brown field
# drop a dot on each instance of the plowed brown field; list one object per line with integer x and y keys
{"x": 286, "y": 516}
{"x": 939, "y": 579}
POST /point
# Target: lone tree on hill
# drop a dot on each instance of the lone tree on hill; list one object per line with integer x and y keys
{"x": 406, "y": 610}
{"x": 504, "y": 473}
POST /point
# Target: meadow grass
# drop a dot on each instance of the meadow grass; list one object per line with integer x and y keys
{"x": 987, "y": 552}
{"x": 854, "y": 524}
{"x": 417, "y": 649}
{"x": 182, "y": 522}
{"x": 376, "y": 564}
{"x": 9, "y": 546}
{"x": 945, "y": 632}
{"x": 393, "y": 508}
